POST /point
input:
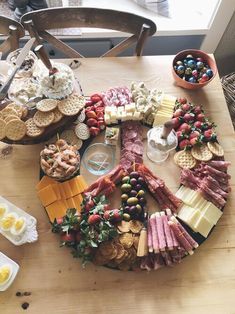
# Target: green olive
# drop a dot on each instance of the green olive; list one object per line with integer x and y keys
{"x": 132, "y": 201}
{"x": 126, "y": 187}
{"x": 125, "y": 179}
{"x": 126, "y": 217}
{"x": 124, "y": 197}
{"x": 141, "y": 193}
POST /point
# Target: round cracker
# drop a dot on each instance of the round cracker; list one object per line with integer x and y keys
{"x": 71, "y": 105}
{"x": 32, "y": 129}
{"x": 24, "y": 112}
{"x": 15, "y": 130}
{"x": 216, "y": 149}
{"x": 202, "y": 153}
{"x": 46, "y": 105}
{"x": 18, "y": 108}
{"x": 2, "y": 129}
{"x": 71, "y": 138}
{"x": 185, "y": 160}
{"x": 9, "y": 111}
{"x": 11, "y": 117}
{"x": 126, "y": 239}
{"x": 82, "y": 131}
{"x": 43, "y": 119}
{"x": 124, "y": 226}
{"x": 57, "y": 115}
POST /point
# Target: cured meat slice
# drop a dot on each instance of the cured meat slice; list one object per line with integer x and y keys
{"x": 181, "y": 237}
{"x": 219, "y": 164}
{"x": 160, "y": 232}
{"x": 155, "y": 240}
{"x": 217, "y": 173}
{"x": 167, "y": 232}
{"x": 214, "y": 185}
{"x": 215, "y": 198}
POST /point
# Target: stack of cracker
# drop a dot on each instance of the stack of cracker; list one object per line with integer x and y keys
{"x": 187, "y": 159}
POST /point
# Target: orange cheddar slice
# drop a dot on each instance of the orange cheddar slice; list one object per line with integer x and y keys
{"x": 67, "y": 189}
{"x": 45, "y": 181}
{"x": 65, "y": 203}
{"x": 62, "y": 192}
{"x": 74, "y": 186}
{"x": 56, "y": 210}
{"x": 78, "y": 200}
{"x": 47, "y": 195}
{"x": 71, "y": 203}
{"x": 56, "y": 189}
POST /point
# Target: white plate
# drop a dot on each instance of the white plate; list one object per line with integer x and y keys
{"x": 15, "y": 267}
{"x": 29, "y": 235}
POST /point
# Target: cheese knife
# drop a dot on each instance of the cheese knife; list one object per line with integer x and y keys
{"x": 19, "y": 60}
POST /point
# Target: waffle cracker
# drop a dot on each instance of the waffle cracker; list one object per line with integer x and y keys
{"x": 185, "y": 160}
{"x": 216, "y": 149}
{"x": 32, "y": 129}
{"x": 201, "y": 153}
{"x": 15, "y": 130}
{"x": 46, "y": 105}
{"x": 71, "y": 105}
{"x": 71, "y": 138}
{"x": 82, "y": 131}
{"x": 43, "y": 119}
{"x": 57, "y": 115}
{"x": 2, "y": 129}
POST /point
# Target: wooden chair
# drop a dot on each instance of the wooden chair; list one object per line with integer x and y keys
{"x": 13, "y": 31}
{"x": 39, "y": 22}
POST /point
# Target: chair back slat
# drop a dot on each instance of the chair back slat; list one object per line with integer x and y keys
{"x": 40, "y": 22}
{"x": 13, "y": 31}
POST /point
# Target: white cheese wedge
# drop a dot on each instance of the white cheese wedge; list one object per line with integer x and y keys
{"x": 212, "y": 213}
{"x": 203, "y": 226}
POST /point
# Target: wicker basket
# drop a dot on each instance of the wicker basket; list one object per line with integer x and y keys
{"x": 228, "y": 84}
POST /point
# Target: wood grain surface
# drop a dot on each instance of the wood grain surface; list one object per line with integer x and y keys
{"x": 202, "y": 283}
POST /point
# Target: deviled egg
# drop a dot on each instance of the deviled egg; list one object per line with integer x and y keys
{"x": 8, "y": 221}
{"x": 3, "y": 209}
{"x": 5, "y": 273}
{"x": 19, "y": 226}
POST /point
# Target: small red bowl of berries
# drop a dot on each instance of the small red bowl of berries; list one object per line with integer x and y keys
{"x": 193, "y": 69}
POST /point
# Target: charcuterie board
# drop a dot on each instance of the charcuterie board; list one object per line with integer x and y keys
{"x": 129, "y": 218}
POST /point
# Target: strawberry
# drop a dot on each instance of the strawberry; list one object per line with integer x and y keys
{"x": 185, "y": 107}
{"x": 194, "y": 141}
{"x": 95, "y": 98}
{"x": 91, "y": 122}
{"x": 106, "y": 207}
{"x": 101, "y": 124}
{"x": 59, "y": 221}
{"x": 67, "y": 237}
{"x": 180, "y": 135}
{"x": 208, "y": 134}
{"x": 99, "y": 114}
{"x": 200, "y": 117}
{"x": 198, "y": 124}
{"x": 184, "y": 143}
{"x": 182, "y": 101}
{"x": 88, "y": 103}
{"x": 107, "y": 214}
{"x": 186, "y": 128}
{"x": 115, "y": 215}
{"x": 98, "y": 104}
{"x": 176, "y": 122}
{"x": 93, "y": 219}
{"x": 189, "y": 117}
{"x": 197, "y": 110}
{"x": 89, "y": 205}
{"x": 194, "y": 134}
{"x": 91, "y": 114}
{"x": 89, "y": 108}
{"x": 94, "y": 131}
{"x": 178, "y": 113}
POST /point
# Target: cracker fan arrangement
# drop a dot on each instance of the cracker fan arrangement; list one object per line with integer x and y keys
{"x": 137, "y": 234}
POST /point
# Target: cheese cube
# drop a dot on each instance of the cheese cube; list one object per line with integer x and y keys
{"x": 130, "y": 107}
{"x": 107, "y": 118}
{"x": 137, "y": 115}
{"x": 108, "y": 109}
{"x": 119, "y": 112}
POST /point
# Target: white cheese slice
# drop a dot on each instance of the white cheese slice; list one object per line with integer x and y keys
{"x": 203, "y": 226}
{"x": 201, "y": 204}
{"x": 193, "y": 219}
{"x": 212, "y": 213}
{"x": 185, "y": 213}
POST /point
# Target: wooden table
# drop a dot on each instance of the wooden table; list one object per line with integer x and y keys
{"x": 202, "y": 283}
